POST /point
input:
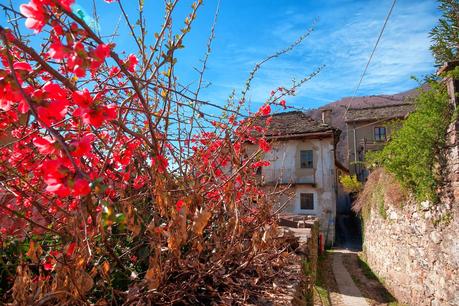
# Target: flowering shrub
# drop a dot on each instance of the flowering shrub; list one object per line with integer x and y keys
{"x": 115, "y": 185}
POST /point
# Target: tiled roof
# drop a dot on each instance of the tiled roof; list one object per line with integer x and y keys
{"x": 393, "y": 111}
{"x": 293, "y": 123}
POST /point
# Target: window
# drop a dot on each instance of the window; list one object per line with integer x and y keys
{"x": 306, "y": 159}
{"x": 380, "y": 133}
{"x": 307, "y": 201}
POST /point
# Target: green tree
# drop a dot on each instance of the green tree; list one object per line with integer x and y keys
{"x": 412, "y": 153}
{"x": 445, "y": 35}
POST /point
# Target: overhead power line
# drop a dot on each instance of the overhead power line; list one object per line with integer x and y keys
{"x": 371, "y": 56}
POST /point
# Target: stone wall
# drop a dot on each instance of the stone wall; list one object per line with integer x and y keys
{"x": 415, "y": 255}
{"x": 305, "y": 231}
{"x": 414, "y": 247}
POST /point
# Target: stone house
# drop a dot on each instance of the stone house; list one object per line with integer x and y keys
{"x": 368, "y": 129}
{"x": 303, "y": 161}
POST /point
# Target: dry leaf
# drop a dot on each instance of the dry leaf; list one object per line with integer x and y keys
{"x": 153, "y": 275}
{"x": 105, "y": 268}
{"x": 84, "y": 281}
{"x": 34, "y": 251}
{"x": 178, "y": 234}
{"x": 201, "y": 222}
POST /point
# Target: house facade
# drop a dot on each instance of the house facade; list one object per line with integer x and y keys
{"x": 302, "y": 160}
{"x": 368, "y": 129}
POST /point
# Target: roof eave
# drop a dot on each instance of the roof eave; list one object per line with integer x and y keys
{"x": 376, "y": 119}
{"x": 327, "y": 133}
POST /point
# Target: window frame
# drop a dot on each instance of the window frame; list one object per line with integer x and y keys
{"x": 377, "y": 133}
{"x": 309, "y": 164}
{"x": 311, "y": 199}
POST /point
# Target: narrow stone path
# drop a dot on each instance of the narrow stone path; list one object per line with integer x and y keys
{"x": 347, "y": 278}
{"x": 350, "y": 295}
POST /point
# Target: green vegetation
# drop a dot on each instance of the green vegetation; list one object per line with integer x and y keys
{"x": 378, "y": 198}
{"x": 308, "y": 295}
{"x": 350, "y": 183}
{"x": 445, "y": 35}
{"x": 412, "y": 153}
{"x": 320, "y": 287}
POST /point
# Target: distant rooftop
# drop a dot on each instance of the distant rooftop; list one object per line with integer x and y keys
{"x": 294, "y": 123}
{"x": 373, "y": 113}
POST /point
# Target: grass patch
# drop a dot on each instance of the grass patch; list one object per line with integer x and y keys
{"x": 321, "y": 292}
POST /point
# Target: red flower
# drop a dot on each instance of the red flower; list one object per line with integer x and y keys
{"x": 22, "y": 66}
{"x": 179, "y": 204}
{"x": 66, "y": 4}
{"x": 114, "y": 71}
{"x": 71, "y": 249}
{"x": 82, "y": 98}
{"x": 265, "y": 110}
{"x": 57, "y": 50}
{"x": 163, "y": 163}
{"x": 90, "y": 110}
{"x": 96, "y": 116}
{"x": 82, "y": 146}
{"x": 48, "y": 265}
{"x": 131, "y": 62}
{"x": 264, "y": 145}
{"x": 23, "y": 107}
{"x": 261, "y": 163}
{"x": 57, "y": 187}
{"x": 55, "y": 175}
{"x": 282, "y": 103}
{"x": 52, "y": 113}
{"x": 81, "y": 187}
{"x": 58, "y": 30}
{"x": 55, "y": 92}
{"x": 55, "y": 108}
{"x": 102, "y": 51}
{"x": 139, "y": 181}
{"x": 99, "y": 54}
{"x": 45, "y": 145}
{"x": 76, "y": 65}
{"x": 35, "y": 14}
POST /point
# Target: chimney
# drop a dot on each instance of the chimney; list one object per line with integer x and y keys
{"x": 326, "y": 116}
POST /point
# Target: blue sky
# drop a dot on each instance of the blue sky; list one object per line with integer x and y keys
{"x": 250, "y": 30}
{"x": 342, "y": 40}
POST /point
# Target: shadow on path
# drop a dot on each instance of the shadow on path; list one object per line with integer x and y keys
{"x": 356, "y": 285}
{"x": 368, "y": 283}
{"x": 348, "y": 279}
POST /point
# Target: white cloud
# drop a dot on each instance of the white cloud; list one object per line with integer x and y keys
{"x": 343, "y": 40}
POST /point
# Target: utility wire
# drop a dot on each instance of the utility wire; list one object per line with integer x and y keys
{"x": 371, "y": 57}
